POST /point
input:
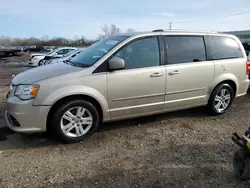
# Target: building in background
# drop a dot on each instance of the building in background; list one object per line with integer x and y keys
{"x": 244, "y": 35}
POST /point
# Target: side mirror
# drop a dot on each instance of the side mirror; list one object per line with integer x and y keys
{"x": 116, "y": 63}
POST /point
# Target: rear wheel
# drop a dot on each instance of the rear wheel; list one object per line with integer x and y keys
{"x": 220, "y": 99}
{"x": 76, "y": 120}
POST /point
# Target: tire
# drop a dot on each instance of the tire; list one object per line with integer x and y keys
{"x": 241, "y": 165}
{"x": 40, "y": 63}
{"x": 76, "y": 123}
{"x": 217, "y": 97}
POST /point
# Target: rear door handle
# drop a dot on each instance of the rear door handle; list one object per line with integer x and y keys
{"x": 156, "y": 74}
{"x": 174, "y": 72}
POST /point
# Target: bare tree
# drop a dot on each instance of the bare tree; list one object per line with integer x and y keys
{"x": 56, "y": 41}
{"x": 112, "y": 29}
{"x": 109, "y": 30}
{"x": 129, "y": 30}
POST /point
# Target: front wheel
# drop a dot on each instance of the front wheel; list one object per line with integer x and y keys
{"x": 220, "y": 99}
{"x": 76, "y": 120}
{"x": 40, "y": 63}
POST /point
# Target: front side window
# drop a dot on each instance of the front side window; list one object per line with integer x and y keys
{"x": 185, "y": 49}
{"x": 224, "y": 48}
{"x": 63, "y": 51}
{"x": 60, "y": 52}
{"x": 96, "y": 51}
{"x": 140, "y": 53}
{"x": 53, "y": 51}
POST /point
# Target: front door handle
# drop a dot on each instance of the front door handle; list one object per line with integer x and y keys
{"x": 156, "y": 74}
{"x": 174, "y": 72}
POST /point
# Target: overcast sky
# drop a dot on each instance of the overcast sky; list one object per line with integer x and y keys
{"x": 69, "y": 18}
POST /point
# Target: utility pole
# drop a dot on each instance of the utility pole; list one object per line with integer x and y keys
{"x": 170, "y": 25}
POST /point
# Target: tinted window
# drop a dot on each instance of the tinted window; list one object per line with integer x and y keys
{"x": 140, "y": 53}
{"x": 60, "y": 52}
{"x": 184, "y": 49}
{"x": 224, "y": 48}
{"x": 63, "y": 51}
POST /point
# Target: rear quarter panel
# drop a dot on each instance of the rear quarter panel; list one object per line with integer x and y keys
{"x": 232, "y": 69}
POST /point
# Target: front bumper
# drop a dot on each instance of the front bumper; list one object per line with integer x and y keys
{"x": 32, "y": 64}
{"x": 22, "y": 116}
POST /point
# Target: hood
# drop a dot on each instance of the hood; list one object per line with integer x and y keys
{"x": 42, "y": 72}
{"x": 37, "y": 54}
{"x": 48, "y": 57}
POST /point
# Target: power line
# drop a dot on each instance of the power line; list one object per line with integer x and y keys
{"x": 214, "y": 18}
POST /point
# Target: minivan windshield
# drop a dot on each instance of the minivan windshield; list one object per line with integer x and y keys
{"x": 93, "y": 53}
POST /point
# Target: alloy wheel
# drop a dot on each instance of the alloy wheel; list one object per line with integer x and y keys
{"x": 76, "y": 122}
{"x": 222, "y": 100}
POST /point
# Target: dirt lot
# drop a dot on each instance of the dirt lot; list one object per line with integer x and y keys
{"x": 181, "y": 149}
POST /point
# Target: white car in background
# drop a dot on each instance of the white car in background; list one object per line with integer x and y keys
{"x": 51, "y": 59}
{"x": 59, "y": 52}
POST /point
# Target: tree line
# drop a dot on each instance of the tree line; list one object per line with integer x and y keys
{"x": 60, "y": 41}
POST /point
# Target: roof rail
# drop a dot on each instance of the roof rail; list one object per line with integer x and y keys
{"x": 158, "y": 30}
{"x": 185, "y": 30}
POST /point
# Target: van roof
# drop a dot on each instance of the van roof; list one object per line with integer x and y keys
{"x": 160, "y": 31}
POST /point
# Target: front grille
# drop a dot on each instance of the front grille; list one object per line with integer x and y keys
{"x": 13, "y": 121}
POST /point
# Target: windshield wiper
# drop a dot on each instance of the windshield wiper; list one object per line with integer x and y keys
{"x": 75, "y": 64}
{"x": 69, "y": 62}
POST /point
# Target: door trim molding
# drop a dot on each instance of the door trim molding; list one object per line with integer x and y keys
{"x": 184, "y": 91}
{"x": 137, "y": 106}
{"x": 139, "y": 97}
{"x": 186, "y": 99}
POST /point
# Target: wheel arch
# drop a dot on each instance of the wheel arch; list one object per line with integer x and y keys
{"x": 61, "y": 101}
{"x": 229, "y": 82}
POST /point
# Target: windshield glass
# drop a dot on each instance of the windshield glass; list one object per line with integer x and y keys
{"x": 51, "y": 52}
{"x": 71, "y": 53}
{"x": 93, "y": 53}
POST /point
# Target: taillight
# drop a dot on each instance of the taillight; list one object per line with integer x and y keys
{"x": 247, "y": 67}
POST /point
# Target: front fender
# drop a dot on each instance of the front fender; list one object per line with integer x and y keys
{"x": 66, "y": 91}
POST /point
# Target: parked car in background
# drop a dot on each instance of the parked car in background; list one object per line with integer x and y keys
{"x": 126, "y": 76}
{"x": 33, "y": 49}
{"x": 59, "y": 52}
{"x": 47, "y": 52}
{"x": 54, "y": 59}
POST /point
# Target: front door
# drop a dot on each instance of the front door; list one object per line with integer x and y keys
{"x": 139, "y": 89}
{"x": 188, "y": 72}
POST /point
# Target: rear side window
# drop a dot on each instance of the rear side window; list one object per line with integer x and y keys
{"x": 224, "y": 48}
{"x": 185, "y": 49}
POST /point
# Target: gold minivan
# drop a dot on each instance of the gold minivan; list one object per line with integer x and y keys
{"x": 126, "y": 76}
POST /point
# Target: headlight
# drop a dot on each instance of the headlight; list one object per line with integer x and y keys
{"x": 26, "y": 92}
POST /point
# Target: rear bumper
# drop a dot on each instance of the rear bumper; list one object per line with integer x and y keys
{"x": 243, "y": 87}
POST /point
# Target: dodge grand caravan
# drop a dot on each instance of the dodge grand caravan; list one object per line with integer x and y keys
{"x": 126, "y": 76}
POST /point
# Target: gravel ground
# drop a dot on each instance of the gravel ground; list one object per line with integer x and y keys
{"x": 181, "y": 149}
